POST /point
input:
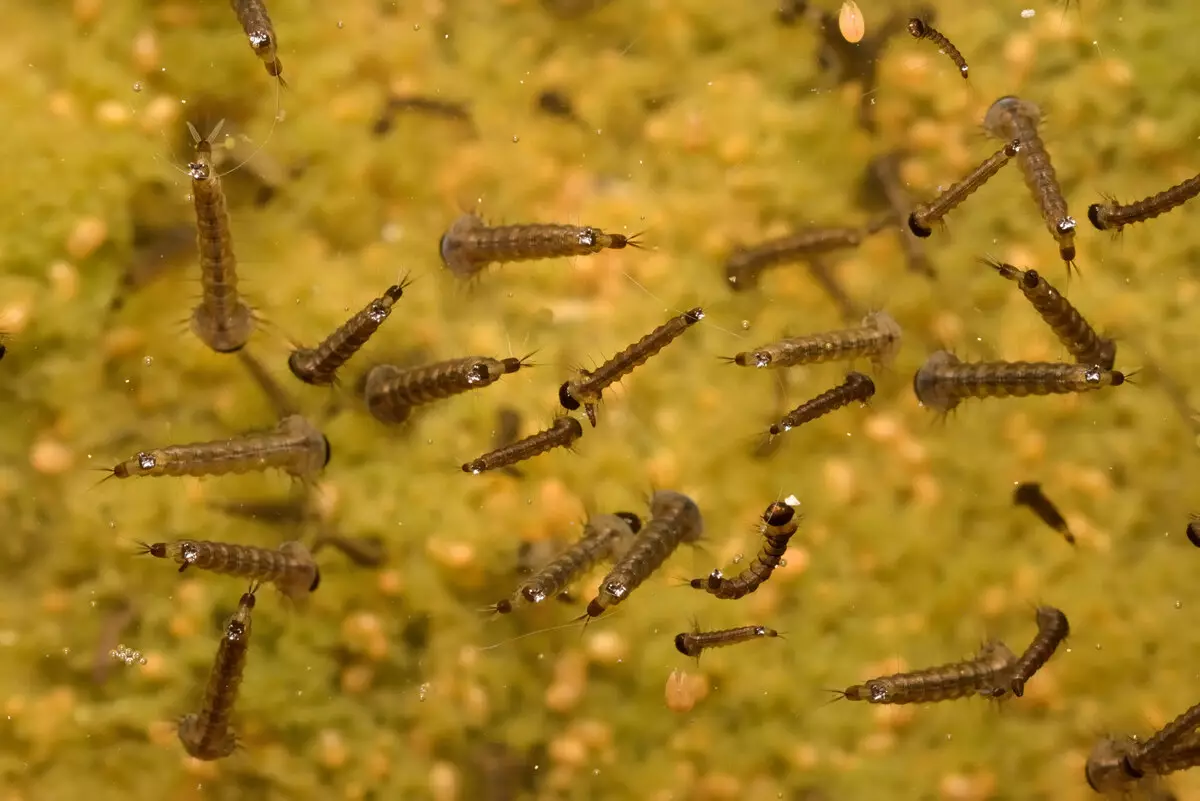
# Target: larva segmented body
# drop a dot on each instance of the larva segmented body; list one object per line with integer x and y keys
{"x": 561, "y": 433}
{"x": 923, "y": 30}
{"x": 745, "y": 264}
{"x": 696, "y": 642}
{"x": 319, "y": 365}
{"x": 944, "y": 381}
{"x": 294, "y": 446}
{"x": 922, "y": 218}
{"x": 983, "y": 675}
{"x": 290, "y": 568}
{"x": 252, "y": 14}
{"x": 392, "y": 392}
{"x": 779, "y": 524}
{"x": 877, "y": 338}
{"x": 674, "y": 520}
{"x": 1030, "y": 494}
{"x": 856, "y": 387}
{"x": 1053, "y": 630}
{"x": 470, "y": 245}
{"x": 1113, "y": 216}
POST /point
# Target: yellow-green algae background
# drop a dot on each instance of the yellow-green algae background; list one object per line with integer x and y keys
{"x": 910, "y": 552}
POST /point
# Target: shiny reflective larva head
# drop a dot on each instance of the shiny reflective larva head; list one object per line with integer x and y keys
{"x": 633, "y": 521}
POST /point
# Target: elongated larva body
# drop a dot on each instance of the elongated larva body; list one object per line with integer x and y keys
{"x": 1013, "y": 118}
{"x": 878, "y": 338}
{"x": 922, "y": 218}
{"x": 290, "y": 567}
{"x": 587, "y": 388}
{"x": 1113, "y": 216}
{"x": 884, "y": 179}
{"x": 696, "y": 642}
{"x": 983, "y": 675}
{"x": 252, "y": 14}
{"x": 319, "y": 365}
{"x": 1072, "y": 330}
{"x": 779, "y": 524}
{"x": 1053, "y": 630}
{"x": 944, "y": 381}
{"x": 393, "y": 392}
{"x": 294, "y": 446}
{"x": 207, "y": 734}
{"x": 562, "y": 432}
{"x": 604, "y": 537}
{"x": 745, "y": 264}
{"x": 1156, "y": 752}
{"x": 856, "y": 387}
{"x": 919, "y": 29}
{"x": 675, "y": 520}
{"x": 1030, "y": 494}
{"x": 221, "y": 320}
{"x": 470, "y": 245}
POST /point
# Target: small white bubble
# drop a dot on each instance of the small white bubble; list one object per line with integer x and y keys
{"x": 423, "y": 691}
{"x": 148, "y": 361}
{"x": 417, "y": 27}
{"x": 137, "y": 86}
{"x": 1028, "y": 13}
{"x": 738, "y": 559}
{"x": 745, "y": 325}
{"x": 341, "y": 24}
{"x": 516, "y": 139}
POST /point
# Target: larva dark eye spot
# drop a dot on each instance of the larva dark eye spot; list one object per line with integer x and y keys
{"x": 565, "y": 398}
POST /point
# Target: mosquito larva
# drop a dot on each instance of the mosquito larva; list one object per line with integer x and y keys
{"x": 1053, "y": 630}
{"x": 604, "y": 537}
{"x": 674, "y": 520}
{"x": 1068, "y": 324}
{"x": 745, "y": 264}
{"x": 877, "y": 338}
{"x": 294, "y": 446}
{"x": 442, "y": 108}
{"x": 856, "y": 387}
{"x": 922, "y": 218}
{"x": 507, "y": 431}
{"x": 884, "y": 179}
{"x": 1113, "y": 216}
{"x": 779, "y": 524}
{"x": 221, "y": 320}
{"x": 319, "y": 365}
{"x": 1013, "y": 118}
{"x": 1193, "y": 531}
{"x": 982, "y": 675}
{"x": 695, "y": 642}
{"x": 561, "y": 433}
{"x": 252, "y": 14}
{"x": 363, "y": 551}
{"x": 392, "y": 392}
{"x": 586, "y": 389}
{"x": 1156, "y": 752}
{"x": 923, "y": 30}
{"x": 944, "y": 381}
{"x": 207, "y": 735}
{"x": 470, "y": 245}
{"x": 290, "y": 568}
{"x": 1030, "y": 494}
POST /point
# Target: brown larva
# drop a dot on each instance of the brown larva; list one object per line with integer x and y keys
{"x": 1053, "y": 630}
{"x": 1155, "y": 753}
{"x": 294, "y": 446}
{"x": 319, "y": 365}
{"x": 207, "y": 734}
{"x": 856, "y": 387}
{"x": 944, "y": 381}
{"x": 1072, "y": 330}
{"x": 1030, "y": 494}
{"x": 923, "y": 30}
{"x": 877, "y": 338}
{"x": 745, "y": 264}
{"x": 922, "y": 218}
{"x": 1113, "y": 216}
{"x": 779, "y": 524}
{"x": 674, "y": 520}
{"x": 470, "y": 245}
{"x": 604, "y": 537}
{"x": 695, "y": 642}
{"x": 586, "y": 389}
{"x": 393, "y": 392}
{"x": 290, "y": 568}
{"x": 252, "y": 14}
{"x": 982, "y": 675}
{"x": 561, "y": 433}
{"x": 221, "y": 320}
{"x": 1013, "y": 118}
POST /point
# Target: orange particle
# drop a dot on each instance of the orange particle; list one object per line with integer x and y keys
{"x": 850, "y": 22}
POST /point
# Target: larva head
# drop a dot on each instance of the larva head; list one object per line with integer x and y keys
{"x": 1027, "y": 493}
{"x": 634, "y": 522}
{"x": 594, "y": 608}
{"x": 778, "y": 514}
{"x": 1098, "y": 215}
{"x": 855, "y": 692}
{"x": 565, "y": 397}
{"x": 997, "y": 120}
{"x": 686, "y": 645}
{"x": 928, "y": 384}
{"x": 1030, "y": 279}
{"x": 1013, "y": 147}
{"x": 503, "y": 606}
{"x": 914, "y": 225}
{"x": 693, "y": 316}
{"x": 860, "y": 386}
{"x": 1108, "y": 768}
{"x": 475, "y": 468}
{"x": 752, "y": 358}
{"x": 155, "y": 549}
{"x": 1193, "y": 531}
{"x": 917, "y": 28}
{"x": 1118, "y": 378}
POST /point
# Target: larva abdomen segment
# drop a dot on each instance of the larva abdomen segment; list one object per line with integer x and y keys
{"x": 1113, "y": 216}
{"x": 1157, "y": 751}
{"x": 603, "y": 538}
{"x": 944, "y": 381}
{"x": 675, "y": 520}
{"x": 295, "y": 447}
{"x": 587, "y": 388}
{"x": 392, "y": 393}
{"x": 696, "y": 642}
{"x": 291, "y": 568}
{"x": 561, "y": 434}
{"x": 252, "y": 14}
{"x": 221, "y": 320}
{"x": 982, "y": 675}
{"x": 877, "y": 338}
{"x": 1053, "y": 629}
{"x": 319, "y": 365}
{"x": 856, "y": 387}
{"x": 779, "y": 525}
{"x": 923, "y": 30}
{"x": 745, "y": 264}
{"x": 207, "y": 735}
{"x": 469, "y": 245}
{"x": 922, "y": 218}
{"x": 1013, "y": 118}
{"x": 1072, "y": 330}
